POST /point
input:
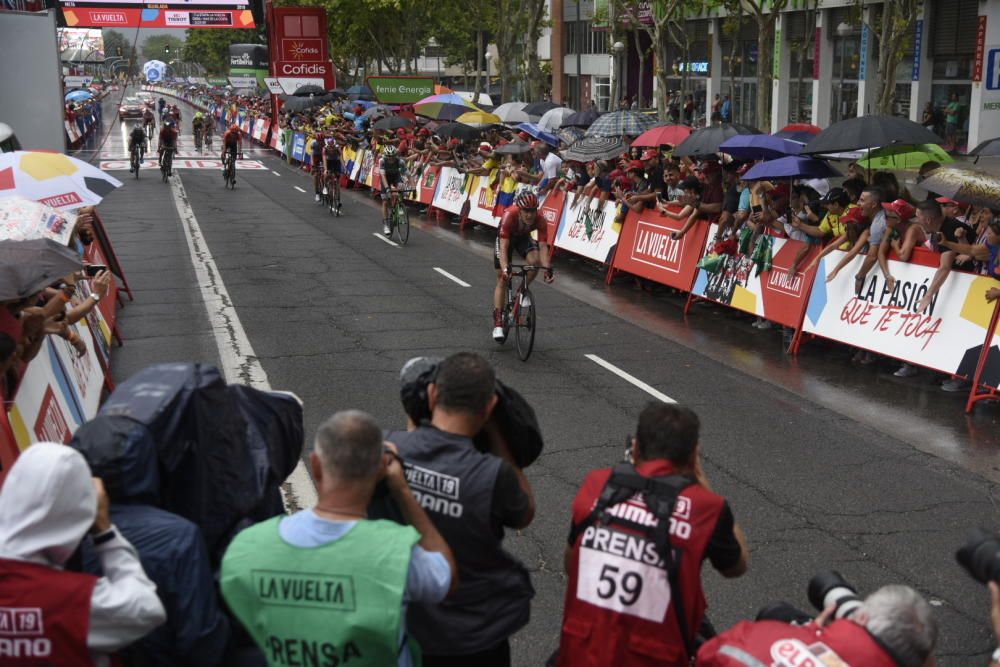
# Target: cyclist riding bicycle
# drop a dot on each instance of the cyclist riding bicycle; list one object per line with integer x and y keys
{"x": 232, "y": 142}
{"x": 332, "y": 160}
{"x": 168, "y": 139}
{"x": 175, "y": 113}
{"x": 197, "y": 123}
{"x": 136, "y": 137}
{"x": 316, "y": 161}
{"x": 391, "y": 171}
{"x": 514, "y": 233}
{"x": 207, "y": 129}
{"x": 148, "y": 119}
{"x": 161, "y": 104}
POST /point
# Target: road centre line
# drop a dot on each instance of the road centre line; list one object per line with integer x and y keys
{"x": 299, "y": 189}
{"x": 275, "y": 173}
{"x": 382, "y": 237}
{"x": 630, "y": 378}
{"x": 451, "y": 277}
{"x": 237, "y": 357}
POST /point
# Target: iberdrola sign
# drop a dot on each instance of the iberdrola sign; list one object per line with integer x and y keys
{"x": 400, "y": 89}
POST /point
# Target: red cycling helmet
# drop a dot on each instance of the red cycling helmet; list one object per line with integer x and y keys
{"x": 526, "y": 200}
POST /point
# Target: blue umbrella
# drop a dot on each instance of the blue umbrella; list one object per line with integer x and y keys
{"x": 792, "y": 166}
{"x": 359, "y": 91}
{"x": 759, "y": 147}
{"x": 538, "y": 133}
{"x": 78, "y": 95}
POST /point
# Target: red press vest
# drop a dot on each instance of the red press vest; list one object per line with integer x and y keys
{"x": 44, "y": 615}
{"x": 782, "y": 645}
{"x": 618, "y": 608}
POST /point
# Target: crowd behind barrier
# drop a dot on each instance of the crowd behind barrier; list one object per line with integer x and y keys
{"x": 953, "y": 335}
{"x": 80, "y": 118}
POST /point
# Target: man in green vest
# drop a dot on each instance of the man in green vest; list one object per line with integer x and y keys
{"x": 327, "y": 586}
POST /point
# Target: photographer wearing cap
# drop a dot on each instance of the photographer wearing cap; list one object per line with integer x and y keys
{"x": 892, "y": 627}
{"x": 636, "y": 545}
{"x": 471, "y": 496}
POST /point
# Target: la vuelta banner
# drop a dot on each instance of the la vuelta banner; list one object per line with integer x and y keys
{"x": 645, "y": 249}
{"x": 588, "y": 228}
{"x": 776, "y": 295}
{"x": 551, "y": 209}
{"x": 451, "y": 191}
{"x": 947, "y": 337}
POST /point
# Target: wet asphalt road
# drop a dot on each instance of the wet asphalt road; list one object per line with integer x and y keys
{"x": 826, "y": 464}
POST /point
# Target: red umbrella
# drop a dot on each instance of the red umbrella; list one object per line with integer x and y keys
{"x": 801, "y": 132}
{"x": 664, "y": 134}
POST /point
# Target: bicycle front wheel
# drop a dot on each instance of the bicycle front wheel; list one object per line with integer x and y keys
{"x": 402, "y": 224}
{"x": 524, "y": 327}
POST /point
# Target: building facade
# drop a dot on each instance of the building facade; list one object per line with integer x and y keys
{"x": 825, "y": 62}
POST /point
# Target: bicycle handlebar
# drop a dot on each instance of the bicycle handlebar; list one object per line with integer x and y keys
{"x": 521, "y": 269}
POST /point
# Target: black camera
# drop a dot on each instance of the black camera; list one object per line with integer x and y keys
{"x": 830, "y": 588}
{"x": 980, "y": 556}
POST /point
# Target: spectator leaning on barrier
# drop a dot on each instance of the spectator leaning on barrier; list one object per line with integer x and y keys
{"x": 638, "y": 537}
{"x": 48, "y": 504}
{"x": 869, "y": 240}
{"x": 894, "y": 627}
{"x": 471, "y": 497}
{"x": 328, "y": 582}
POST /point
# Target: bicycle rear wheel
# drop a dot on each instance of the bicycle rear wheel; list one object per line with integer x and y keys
{"x": 165, "y": 166}
{"x": 507, "y": 314}
{"x": 402, "y": 224}
{"x": 524, "y": 327}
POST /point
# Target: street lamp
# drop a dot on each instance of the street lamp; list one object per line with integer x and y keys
{"x": 617, "y": 48}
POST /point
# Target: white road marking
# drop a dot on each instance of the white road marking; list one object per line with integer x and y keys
{"x": 238, "y": 359}
{"x": 275, "y": 173}
{"x": 451, "y": 277}
{"x": 630, "y": 378}
{"x": 382, "y": 237}
{"x": 299, "y": 189}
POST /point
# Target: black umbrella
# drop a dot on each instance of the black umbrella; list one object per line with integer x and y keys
{"x": 302, "y": 103}
{"x": 337, "y": 92}
{"x": 869, "y": 132}
{"x": 705, "y": 142}
{"x": 26, "y": 267}
{"x": 513, "y": 148}
{"x": 581, "y": 119}
{"x": 459, "y": 131}
{"x": 309, "y": 89}
{"x": 595, "y": 148}
{"x": 392, "y": 123}
{"x": 989, "y": 148}
{"x": 539, "y": 108}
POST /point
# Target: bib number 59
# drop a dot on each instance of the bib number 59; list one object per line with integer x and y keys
{"x": 612, "y": 580}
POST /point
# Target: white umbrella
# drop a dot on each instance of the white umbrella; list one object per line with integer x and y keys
{"x": 552, "y": 119}
{"x": 511, "y": 113}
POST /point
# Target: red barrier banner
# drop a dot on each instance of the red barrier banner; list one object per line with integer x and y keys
{"x": 552, "y": 209}
{"x": 645, "y": 249}
{"x": 779, "y": 294}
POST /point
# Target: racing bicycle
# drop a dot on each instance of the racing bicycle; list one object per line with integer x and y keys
{"x": 331, "y": 192}
{"x": 197, "y": 138}
{"x": 399, "y": 219}
{"x": 229, "y": 169}
{"x": 167, "y": 163}
{"x": 135, "y": 158}
{"x": 519, "y": 309}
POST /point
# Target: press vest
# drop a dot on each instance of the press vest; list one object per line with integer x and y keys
{"x": 454, "y": 484}
{"x": 618, "y": 607}
{"x": 44, "y": 615}
{"x": 779, "y": 644}
{"x": 339, "y": 603}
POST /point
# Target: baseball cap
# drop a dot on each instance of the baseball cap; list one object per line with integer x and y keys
{"x": 780, "y": 190}
{"x": 400, "y": 132}
{"x": 853, "y": 215}
{"x": 454, "y": 142}
{"x": 900, "y": 207}
{"x": 648, "y": 154}
{"x": 945, "y": 201}
{"x": 636, "y": 164}
{"x": 485, "y": 147}
{"x": 423, "y": 132}
{"x": 836, "y": 196}
{"x": 523, "y": 135}
{"x": 744, "y": 169}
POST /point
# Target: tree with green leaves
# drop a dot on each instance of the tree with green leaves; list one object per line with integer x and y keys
{"x": 765, "y": 13}
{"x": 210, "y": 48}
{"x": 892, "y": 26}
{"x": 163, "y": 47}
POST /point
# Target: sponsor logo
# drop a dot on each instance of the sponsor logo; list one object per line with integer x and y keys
{"x": 242, "y": 60}
{"x": 779, "y": 281}
{"x": 108, "y": 18}
{"x": 548, "y": 214}
{"x": 654, "y": 246}
{"x": 66, "y": 199}
{"x": 794, "y": 653}
{"x": 21, "y": 621}
{"x": 50, "y": 426}
{"x": 302, "y": 49}
{"x": 303, "y": 68}
{"x": 435, "y": 491}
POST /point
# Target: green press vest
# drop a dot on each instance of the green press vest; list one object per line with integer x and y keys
{"x": 326, "y": 606}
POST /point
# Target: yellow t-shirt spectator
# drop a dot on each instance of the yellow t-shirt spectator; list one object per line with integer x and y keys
{"x": 834, "y": 227}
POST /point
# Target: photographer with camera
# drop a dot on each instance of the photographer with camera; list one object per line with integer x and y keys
{"x": 892, "y": 627}
{"x": 638, "y": 538}
{"x": 980, "y": 557}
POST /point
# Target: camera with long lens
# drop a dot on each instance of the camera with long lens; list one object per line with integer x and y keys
{"x": 980, "y": 556}
{"x": 825, "y": 589}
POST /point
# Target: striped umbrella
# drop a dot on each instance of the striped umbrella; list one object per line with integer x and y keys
{"x": 442, "y": 110}
{"x": 446, "y": 98}
{"x": 589, "y": 149}
{"x": 570, "y": 135}
{"x": 621, "y": 124}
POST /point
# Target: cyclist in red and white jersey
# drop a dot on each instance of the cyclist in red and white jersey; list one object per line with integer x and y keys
{"x": 514, "y": 233}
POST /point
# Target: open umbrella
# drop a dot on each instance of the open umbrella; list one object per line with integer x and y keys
{"x": 513, "y": 148}
{"x": 309, "y": 89}
{"x": 78, "y": 95}
{"x": 297, "y": 104}
{"x": 595, "y": 148}
{"x": 442, "y": 110}
{"x": 512, "y": 113}
{"x": 793, "y": 166}
{"x": 904, "y": 157}
{"x": 801, "y": 132}
{"x": 22, "y": 219}
{"x": 459, "y": 131}
{"x": 759, "y": 147}
{"x": 967, "y": 186}
{"x": 581, "y": 119}
{"x": 359, "y": 91}
{"x": 989, "y": 148}
{"x": 26, "y": 267}
{"x": 869, "y": 132}
{"x": 663, "y": 134}
{"x": 337, "y": 93}
{"x": 392, "y": 123}
{"x": 377, "y": 110}
{"x": 538, "y": 133}
{"x": 705, "y": 142}
{"x": 570, "y": 135}
{"x": 552, "y": 119}
{"x": 53, "y": 178}
{"x": 539, "y": 108}
{"x": 445, "y": 98}
{"x": 621, "y": 124}
{"x": 478, "y": 119}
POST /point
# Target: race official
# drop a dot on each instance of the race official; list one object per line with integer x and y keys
{"x": 326, "y": 585}
{"x": 895, "y": 627}
{"x": 471, "y": 497}
{"x": 638, "y": 537}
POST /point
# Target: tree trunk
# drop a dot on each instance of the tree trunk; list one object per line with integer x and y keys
{"x": 479, "y": 66}
{"x": 660, "y": 43}
{"x": 642, "y": 67}
{"x": 765, "y": 63}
